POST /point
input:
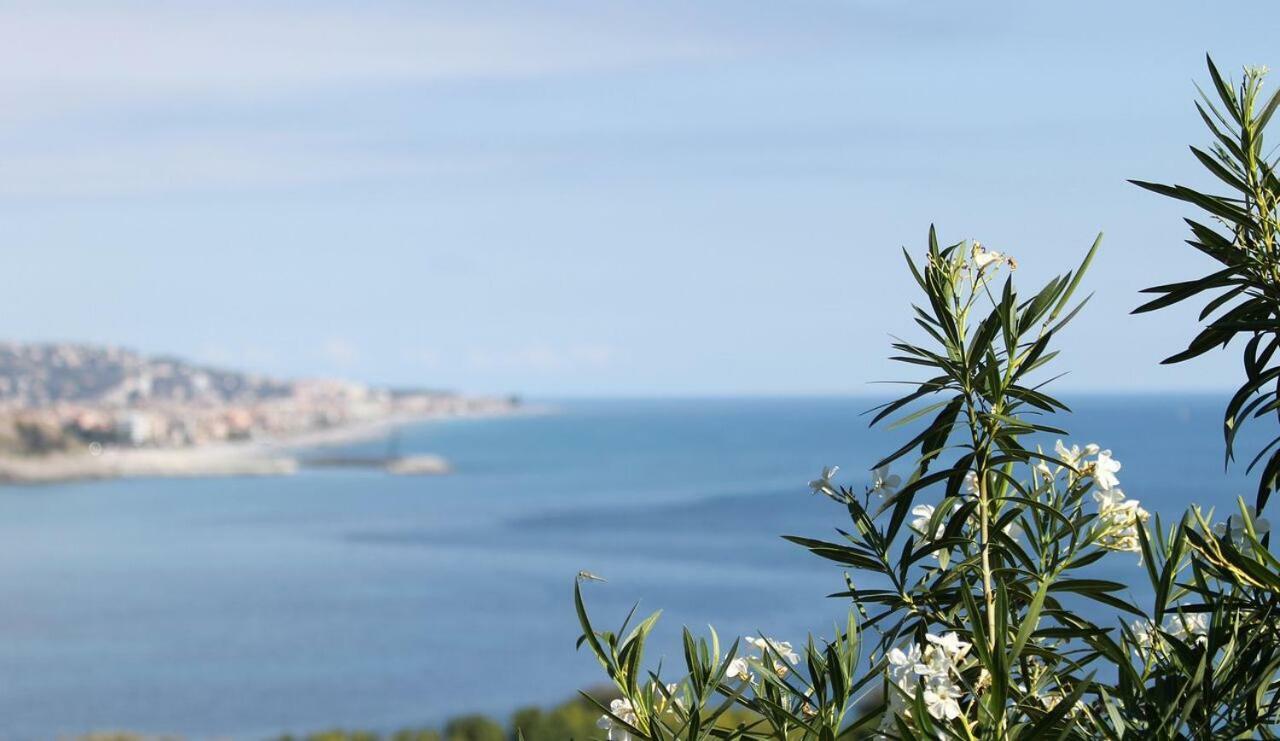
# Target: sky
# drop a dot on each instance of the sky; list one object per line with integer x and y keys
{"x": 594, "y": 198}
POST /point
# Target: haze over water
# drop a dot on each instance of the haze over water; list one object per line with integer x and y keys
{"x": 245, "y": 608}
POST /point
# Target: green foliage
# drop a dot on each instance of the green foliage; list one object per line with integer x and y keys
{"x": 1240, "y": 232}
{"x": 474, "y": 728}
{"x": 575, "y": 719}
{"x": 956, "y": 580}
{"x": 418, "y": 735}
{"x": 1002, "y": 596}
{"x": 968, "y": 578}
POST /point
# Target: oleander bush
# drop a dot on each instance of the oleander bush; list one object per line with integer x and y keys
{"x": 978, "y": 607}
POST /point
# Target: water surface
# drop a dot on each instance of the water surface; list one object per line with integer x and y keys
{"x": 248, "y": 607}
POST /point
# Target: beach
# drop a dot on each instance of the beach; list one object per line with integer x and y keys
{"x": 264, "y": 456}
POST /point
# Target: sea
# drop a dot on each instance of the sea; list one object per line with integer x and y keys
{"x": 245, "y": 608}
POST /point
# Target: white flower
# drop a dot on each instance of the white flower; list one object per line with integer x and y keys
{"x": 936, "y": 663}
{"x": 775, "y": 647}
{"x": 740, "y": 670}
{"x": 983, "y": 257}
{"x": 971, "y": 484}
{"x": 908, "y": 669}
{"x": 942, "y": 656}
{"x": 884, "y": 482}
{"x": 1144, "y": 632}
{"x": 1234, "y": 526}
{"x": 951, "y": 644}
{"x": 823, "y": 482}
{"x": 622, "y": 709}
{"x": 1042, "y": 469}
{"x": 1119, "y": 519}
{"x": 1188, "y": 625}
{"x": 1069, "y": 456}
{"x": 920, "y": 523}
{"x": 1109, "y": 499}
{"x": 942, "y": 699}
{"x": 1104, "y": 471}
{"x": 902, "y": 668}
{"x": 1073, "y": 456}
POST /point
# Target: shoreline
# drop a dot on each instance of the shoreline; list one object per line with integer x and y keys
{"x": 260, "y": 457}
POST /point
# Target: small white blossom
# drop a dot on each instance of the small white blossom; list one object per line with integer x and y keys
{"x": 902, "y": 667}
{"x": 1234, "y": 529}
{"x": 1119, "y": 519}
{"x": 1104, "y": 471}
{"x": 1144, "y": 632}
{"x": 884, "y": 482}
{"x": 775, "y": 647}
{"x": 951, "y": 644}
{"x": 942, "y": 698}
{"x": 923, "y": 514}
{"x": 970, "y": 486}
{"x": 935, "y": 663}
{"x": 823, "y": 483}
{"x": 1109, "y": 499}
{"x": 1069, "y": 456}
{"x": 622, "y": 709}
{"x": 740, "y": 670}
{"x": 982, "y": 257}
{"x": 1188, "y": 625}
{"x": 934, "y": 669}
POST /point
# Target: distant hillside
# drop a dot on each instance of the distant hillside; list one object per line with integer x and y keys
{"x": 36, "y": 375}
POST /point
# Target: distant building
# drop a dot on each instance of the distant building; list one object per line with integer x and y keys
{"x": 135, "y": 429}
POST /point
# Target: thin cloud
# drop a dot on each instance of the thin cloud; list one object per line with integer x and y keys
{"x": 71, "y": 73}
{"x": 127, "y": 52}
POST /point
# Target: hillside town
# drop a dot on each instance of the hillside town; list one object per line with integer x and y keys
{"x": 69, "y": 398}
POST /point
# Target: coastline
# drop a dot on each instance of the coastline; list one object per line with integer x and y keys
{"x": 258, "y": 457}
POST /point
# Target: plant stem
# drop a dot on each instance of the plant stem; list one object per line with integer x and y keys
{"x": 988, "y": 592}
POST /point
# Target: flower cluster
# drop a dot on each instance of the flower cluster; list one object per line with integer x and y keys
{"x": 1073, "y": 456}
{"x": 1118, "y": 516}
{"x": 1189, "y": 625}
{"x": 933, "y": 671}
{"x": 775, "y": 650}
{"x": 623, "y": 710}
{"x": 1183, "y": 626}
{"x": 779, "y": 653}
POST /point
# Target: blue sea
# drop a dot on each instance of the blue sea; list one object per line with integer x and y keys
{"x": 245, "y": 608}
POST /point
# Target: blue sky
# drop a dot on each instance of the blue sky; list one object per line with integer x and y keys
{"x": 592, "y": 198}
